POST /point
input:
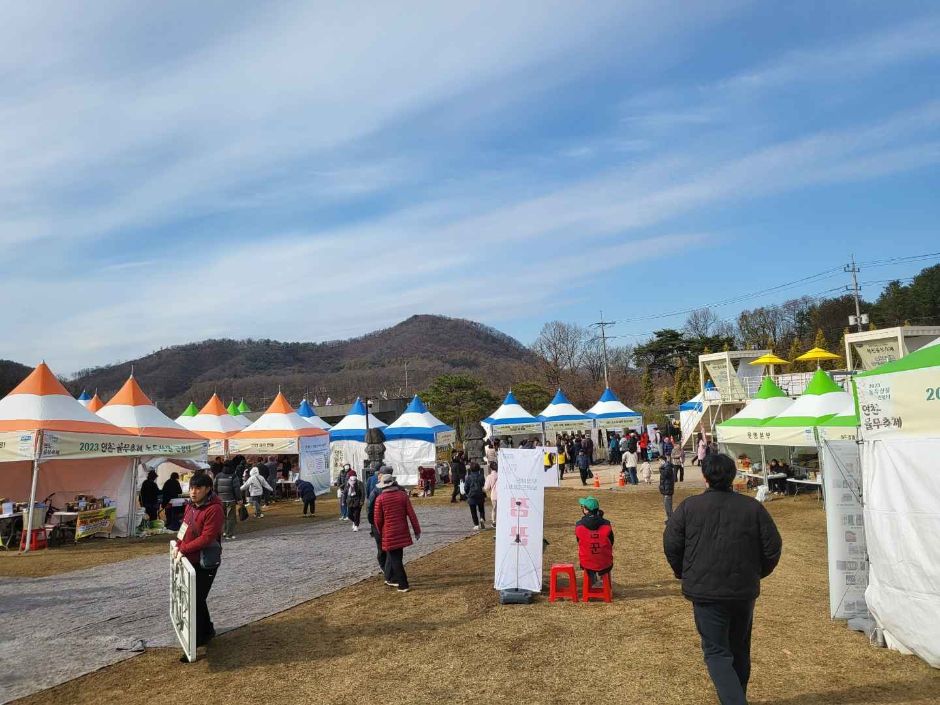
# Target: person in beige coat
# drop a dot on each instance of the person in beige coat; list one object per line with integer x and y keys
{"x": 490, "y": 488}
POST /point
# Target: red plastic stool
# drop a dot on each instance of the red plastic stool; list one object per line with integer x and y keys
{"x": 604, "y": 592}
{"x": 38, "y": 540}
{"x": 570, "y": 591}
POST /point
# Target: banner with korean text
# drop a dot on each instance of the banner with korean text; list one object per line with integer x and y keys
{"x": 519, "y": 520}
{"x": 315, "y": 462}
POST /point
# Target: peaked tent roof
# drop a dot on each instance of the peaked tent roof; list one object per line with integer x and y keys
{"x": 133, "y": 411}
{"x": 232, "y": 408}
{"x": 693, "y": 404}
{"x": 769, "y": 401}
{"x": 40, "y": 402}
{"x": 243, "y": 408}
{"x": 94, "y": 404}
{"x": 511, "y": 413}
{"x": 279, "y": 421}
{"x": 309, "y": 414}
{"x": 416, "y": 423}
{"x": 561, "y": 409}
{"x": 353, "y": 425}
{"x": 821, "y": 400}
{"x": 610, "y": 407}
{"x": 190, "y": 410}
{"x": 84, "y": 398}
{"x": 213, "y": 421}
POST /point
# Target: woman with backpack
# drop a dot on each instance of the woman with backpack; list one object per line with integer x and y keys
{"x": 255, "y": 487}
{"x": 476, "y": 496}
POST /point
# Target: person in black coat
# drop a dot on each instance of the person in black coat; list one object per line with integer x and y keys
{"x": 150, "y": 496}
{"x": 308, "y": 494}
{"x": 721, "y": 544}
{"x": 458, "y": 472}
{"x": 171, "y": 490}
{"x": 667, "y": 486}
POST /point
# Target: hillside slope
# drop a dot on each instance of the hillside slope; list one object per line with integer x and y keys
{"x": 371, "y": 364}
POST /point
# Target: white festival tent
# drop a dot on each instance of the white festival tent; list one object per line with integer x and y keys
{"x": 611, "y": 413}
{"x": 309, "y": 414}
{"x": 348, "y": 439}
{"x": 899, "y": 423}
{"x": 281, "y": 430}
{"x": 132, "y": 410}
{"x": 511, "y": 419}
{"x": 214, "y": 423}
{"x": 561, "y": 416}
{"x": 52, "y": 446}
{"x": 413, "y": 439}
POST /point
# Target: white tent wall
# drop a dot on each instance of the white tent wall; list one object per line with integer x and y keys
{"x": 342, "y": 452}
{"x": 902, "y": 522}
{"x": 404, "y": 455}
{"x": 689, "y": 422}
{"x": 64, "y": 479}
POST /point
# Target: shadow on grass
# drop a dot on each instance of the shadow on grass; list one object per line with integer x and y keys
{"x": 892, "y": 692}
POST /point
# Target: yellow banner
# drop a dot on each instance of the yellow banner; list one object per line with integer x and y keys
{"x": 903, "y": 403}
{"x": 262, "y": 446}
{"x": 82, "y": 445}
{"x": 95, "y": 521}
{"x": 17, "y": 445}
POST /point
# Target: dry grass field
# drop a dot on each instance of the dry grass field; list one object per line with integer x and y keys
{"x": 449, "y": 641}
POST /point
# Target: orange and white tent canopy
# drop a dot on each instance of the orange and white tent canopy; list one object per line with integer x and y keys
{"x": 215, "y": 423}
{"x": 132, "y": 410}
{"x": 279, "y": 430}
{"x": 95, "y": 404}
{"x": 41, "y": 405}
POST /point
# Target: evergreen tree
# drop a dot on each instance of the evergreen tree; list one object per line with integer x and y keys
{"x": 649, "y": 393}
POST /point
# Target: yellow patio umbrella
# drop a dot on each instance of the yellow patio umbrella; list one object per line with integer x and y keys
{"x": 818, "y": 354}
{"x": 769, "y": 359}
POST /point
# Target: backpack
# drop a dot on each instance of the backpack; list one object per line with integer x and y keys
{"x": 473, "y": 485}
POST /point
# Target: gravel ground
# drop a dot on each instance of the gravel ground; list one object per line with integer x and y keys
{"x": 60, "y": 627}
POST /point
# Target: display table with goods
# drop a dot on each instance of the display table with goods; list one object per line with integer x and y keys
{"x": 286, "y": 488}
{"x": 11, "y": 523}
{"x": 85, "y": 516}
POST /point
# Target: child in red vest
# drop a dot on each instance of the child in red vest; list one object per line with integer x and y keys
{"x": 595, "y": 538}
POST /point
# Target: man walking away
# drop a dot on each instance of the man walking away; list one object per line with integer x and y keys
{"x": 629, "y": 467}
{"x": 476, "y": 496}
{"x": 256, "y": 487}
{"x": 392, "y": 512}
{"x": 307, "y": 492}
{"x": 584, "y": 466}
{"x": 228, "y": 489}
{"x": 720, "y": 544}
{"x": 458, "y": 472}
{"x": 667, "y": 486}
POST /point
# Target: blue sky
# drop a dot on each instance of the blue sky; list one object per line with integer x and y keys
{"x": 312, "y": 171}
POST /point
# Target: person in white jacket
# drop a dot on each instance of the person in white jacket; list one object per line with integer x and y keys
{"x": 490, "y": 487}
{"x": 255, "y": 487}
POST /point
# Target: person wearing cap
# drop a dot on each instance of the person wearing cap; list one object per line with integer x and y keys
{"x": 353, "y": 497}
{"x": 392, "y": 511}
{"x": 595, "y": 537}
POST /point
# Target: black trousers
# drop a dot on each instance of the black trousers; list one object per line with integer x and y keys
{"x": 395, "y": 567}
{"x": 476, "y": 505}
{"x": 456, "y": 493}
{"x": 310, "y": 504}
{"x": 204, "y": 628}
{"x": 380, "y": 555}
{"x": 725, "y": 630}
{"x": 680, "y": 471}
{"x": 584, "y": 475}
{"x": 354, "y": 513}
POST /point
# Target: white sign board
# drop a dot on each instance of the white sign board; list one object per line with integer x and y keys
{"x": 315, "y": 462}
{"x": 183, "y": 603}
{"x": 845, "y": 528}
{"x": 520, "y": 517}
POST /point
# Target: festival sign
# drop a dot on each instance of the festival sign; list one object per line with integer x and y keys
{"x": 17, "y": 445}
{"x": 79, "y": 445}
{"x": 878, "y": 352}
{"x": 520, "y": 513}
{"x": 634, "y": 423}
{"x": 891, "y": 404}
{"x": 95, "y": 521}
{"x": 845, "y": 528}
{"x": 183, "y": 603}
{"x": 314, "y": 462}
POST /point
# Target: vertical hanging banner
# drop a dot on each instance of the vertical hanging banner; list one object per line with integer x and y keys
{"x": 315, "y": 462}
{"x": 845, "y": 528}
{"x": 551, "y": 475}
{"x": 520, "y": 516}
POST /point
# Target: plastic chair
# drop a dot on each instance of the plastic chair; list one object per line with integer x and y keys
{"x": 569, "y": 591}
{"x": 37, "y": 541}
{"x": 604, "y": 592}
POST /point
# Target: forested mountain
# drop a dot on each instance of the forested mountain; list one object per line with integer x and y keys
{"x": 11, "y": 374}
{"x": 342, "y": 369}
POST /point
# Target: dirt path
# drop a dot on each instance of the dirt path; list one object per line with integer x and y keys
{"x": 59, "y": 627}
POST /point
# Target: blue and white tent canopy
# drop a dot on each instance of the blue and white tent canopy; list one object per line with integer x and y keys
{"x": 610, "y": 412}
{"x": 511, "y": 418}
{"x": 353, "y": 425}
{"x": 84, "y": 398}
{"x": 560, "y": 410}
{"x": 309, "y": 414}
{"x": 419, "y": 424}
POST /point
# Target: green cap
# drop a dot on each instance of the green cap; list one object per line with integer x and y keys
{"x": 589, "y": 503}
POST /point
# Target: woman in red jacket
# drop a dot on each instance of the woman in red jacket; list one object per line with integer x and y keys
{"x": 199, "y": 540}
{"x": 392, "y": 512}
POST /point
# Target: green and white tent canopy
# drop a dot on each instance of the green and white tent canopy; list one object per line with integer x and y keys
{"x": 841, "y": 427}
{"x": 187, "y": 415}
{"x": 745, "y": 427}
{"x": 796, "y": 425}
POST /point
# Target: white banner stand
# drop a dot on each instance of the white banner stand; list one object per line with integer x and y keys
{"x": 183, "y": 603}
{"x": 520, "y": 519}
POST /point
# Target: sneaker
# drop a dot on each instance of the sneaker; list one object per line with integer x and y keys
{"x": 261, "y": 516}
{"x": 230, "y": 538}
{"x": 493, "y": 525}
{"x": 342, "y": 518}
{"x": 355, "y": 528}
{"x": 403, "y": 589}
{"x": 476, "y": 527}
{"x": 391, "y": 584}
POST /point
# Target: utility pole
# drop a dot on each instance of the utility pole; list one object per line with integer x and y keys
{"x": 853, "y": 270}
{"x": 602, "y": 324}
{"x": 406, "y": 378}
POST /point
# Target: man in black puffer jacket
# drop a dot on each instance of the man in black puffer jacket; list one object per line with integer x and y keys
{"x": 720, "y": 544}
{"x": 228, "y": 489}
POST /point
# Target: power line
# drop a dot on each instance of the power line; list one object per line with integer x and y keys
{"x": 602, "y": 324}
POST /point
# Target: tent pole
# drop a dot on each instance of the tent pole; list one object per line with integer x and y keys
{"x": 37, "y": 455}
{"x": 132, "y": 506}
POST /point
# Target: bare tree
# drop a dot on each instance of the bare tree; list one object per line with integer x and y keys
{"x": 701, "y": 323}
{"x": 592, "y": 360}
{"x": 560, "y": 347}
